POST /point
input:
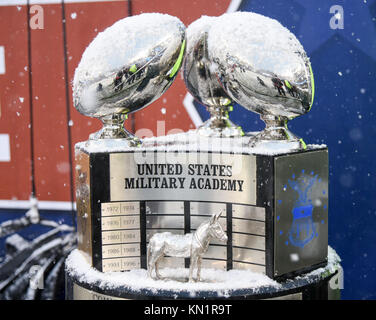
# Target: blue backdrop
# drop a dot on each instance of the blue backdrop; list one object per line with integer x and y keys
{"x": 343, "y": 117}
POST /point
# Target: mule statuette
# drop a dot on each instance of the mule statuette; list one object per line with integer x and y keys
{"x": 192, "y": 245}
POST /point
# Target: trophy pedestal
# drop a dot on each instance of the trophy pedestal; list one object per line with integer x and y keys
{"x": 274, "y": 204}
{"x": 86, "y": 283}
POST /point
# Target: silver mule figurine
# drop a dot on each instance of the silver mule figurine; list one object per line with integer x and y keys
{"x": 192, "y": 245}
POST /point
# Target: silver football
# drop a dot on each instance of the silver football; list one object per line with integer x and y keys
{"x": 263, "y": 67}
{"x": 128, "y": 66}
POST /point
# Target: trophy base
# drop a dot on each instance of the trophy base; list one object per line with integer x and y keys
{"x": 123, "y": 136}
{"x": 85, "y": 283}
{"x": 113, "y": 128}
{"x": 125, "y": 196}
{"x": 276, "y": 135}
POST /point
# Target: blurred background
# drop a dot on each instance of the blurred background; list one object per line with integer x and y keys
{"x": 41, "y": 43}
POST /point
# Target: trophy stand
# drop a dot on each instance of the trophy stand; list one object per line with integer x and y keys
{"x": 276, "y": 132}
{"x": 113, "y": 128}
{"x": 204, "y": 86}
{"x": 219, "y": 124}
{"x": 274, "y": 213}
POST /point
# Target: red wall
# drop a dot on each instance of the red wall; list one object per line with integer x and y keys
{"x": 50, "y": 122}
{"x": 14, "y": 119}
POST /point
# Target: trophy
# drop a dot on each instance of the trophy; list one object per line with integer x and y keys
{"x": 177, "y": 211}
{"x": 203, "y": 85}
{"x": 266, "y": 70}
{"x": 125, "y": 68}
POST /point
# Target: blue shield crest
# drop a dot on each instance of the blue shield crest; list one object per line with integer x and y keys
{"x": 302, "y": 229}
